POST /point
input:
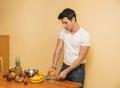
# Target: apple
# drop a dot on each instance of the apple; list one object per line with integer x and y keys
{"x": 9, "y": 77}
{"x": 23, "y": 75}
{"x": 4, "y": 75}
{"x": 25, "y": 82}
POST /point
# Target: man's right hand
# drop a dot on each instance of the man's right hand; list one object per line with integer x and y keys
{"x": 51, "y": 69}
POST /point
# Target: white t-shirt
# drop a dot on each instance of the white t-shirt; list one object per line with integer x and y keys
{"x": 72, "y": 43}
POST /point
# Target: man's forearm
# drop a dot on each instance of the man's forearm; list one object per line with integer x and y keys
{"x": 76, "y": 63}
{"x": 79, "y": 60}
{"x": 56, "y": 57}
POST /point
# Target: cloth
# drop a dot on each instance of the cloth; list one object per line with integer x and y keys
{"x": 72, "y": 43}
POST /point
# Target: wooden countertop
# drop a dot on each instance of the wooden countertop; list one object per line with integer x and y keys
{"x": 46, "y": 84}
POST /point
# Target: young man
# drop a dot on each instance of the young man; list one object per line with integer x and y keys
{"x": 76, "y": 41}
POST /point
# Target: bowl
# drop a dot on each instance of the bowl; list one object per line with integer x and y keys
{"x": 31, "y": 72}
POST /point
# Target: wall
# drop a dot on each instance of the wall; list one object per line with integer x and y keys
{"x": 102, "y": 19}
{"x": 33, "y": 28}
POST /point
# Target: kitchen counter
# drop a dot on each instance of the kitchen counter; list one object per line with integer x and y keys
{"x": 46, "y": 84}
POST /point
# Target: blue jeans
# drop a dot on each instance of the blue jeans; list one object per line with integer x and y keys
{"x": 76, "y": 75}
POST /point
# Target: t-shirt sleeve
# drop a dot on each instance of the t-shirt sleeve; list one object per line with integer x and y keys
{"x": 61, "y": 34}
{"x": 85, "y": 40}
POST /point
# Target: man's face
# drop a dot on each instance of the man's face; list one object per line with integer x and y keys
{"x": 68, "y": 24}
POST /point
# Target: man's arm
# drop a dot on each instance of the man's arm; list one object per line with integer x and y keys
{"x": 83, "y": 52}
{"x": 57, "y": 52}
{"x": 80, "y": 59}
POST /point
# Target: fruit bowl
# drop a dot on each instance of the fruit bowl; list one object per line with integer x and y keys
{"x": 31, "y": 72}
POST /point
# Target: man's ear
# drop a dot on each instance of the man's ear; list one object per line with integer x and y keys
{"x": 73, "y": 19}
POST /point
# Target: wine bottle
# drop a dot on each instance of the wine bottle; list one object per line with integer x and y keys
{"x": 18, "y": 68}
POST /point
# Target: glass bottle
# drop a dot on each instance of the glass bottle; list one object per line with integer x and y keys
{"x": 18, "y": 68}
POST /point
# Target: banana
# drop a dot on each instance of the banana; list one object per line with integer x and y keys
{"x": 37, "y": 78}
{"x": 37, "y": 81}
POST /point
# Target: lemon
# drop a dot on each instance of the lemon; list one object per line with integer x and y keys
{"x": 13, "y": 74}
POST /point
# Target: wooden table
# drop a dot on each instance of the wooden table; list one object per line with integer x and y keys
{"x": 46, "y": 84}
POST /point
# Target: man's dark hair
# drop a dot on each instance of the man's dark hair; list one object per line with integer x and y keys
{"x": 69, "y": 13}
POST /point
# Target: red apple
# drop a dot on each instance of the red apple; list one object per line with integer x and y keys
{"x": 25, "y": 82}
{"x": 23, "y": 75}
{"x": 4, "y": 75}
{"x": 9, "y": 77}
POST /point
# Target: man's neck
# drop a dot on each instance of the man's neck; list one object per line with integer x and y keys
{"x": 75, "y": 29}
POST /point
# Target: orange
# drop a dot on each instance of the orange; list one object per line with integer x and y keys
{"x": 51, "y": 73}
{"x": 40, "y": 73}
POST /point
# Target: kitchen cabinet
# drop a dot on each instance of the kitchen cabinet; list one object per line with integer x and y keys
{"x": 4, "y": 51}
